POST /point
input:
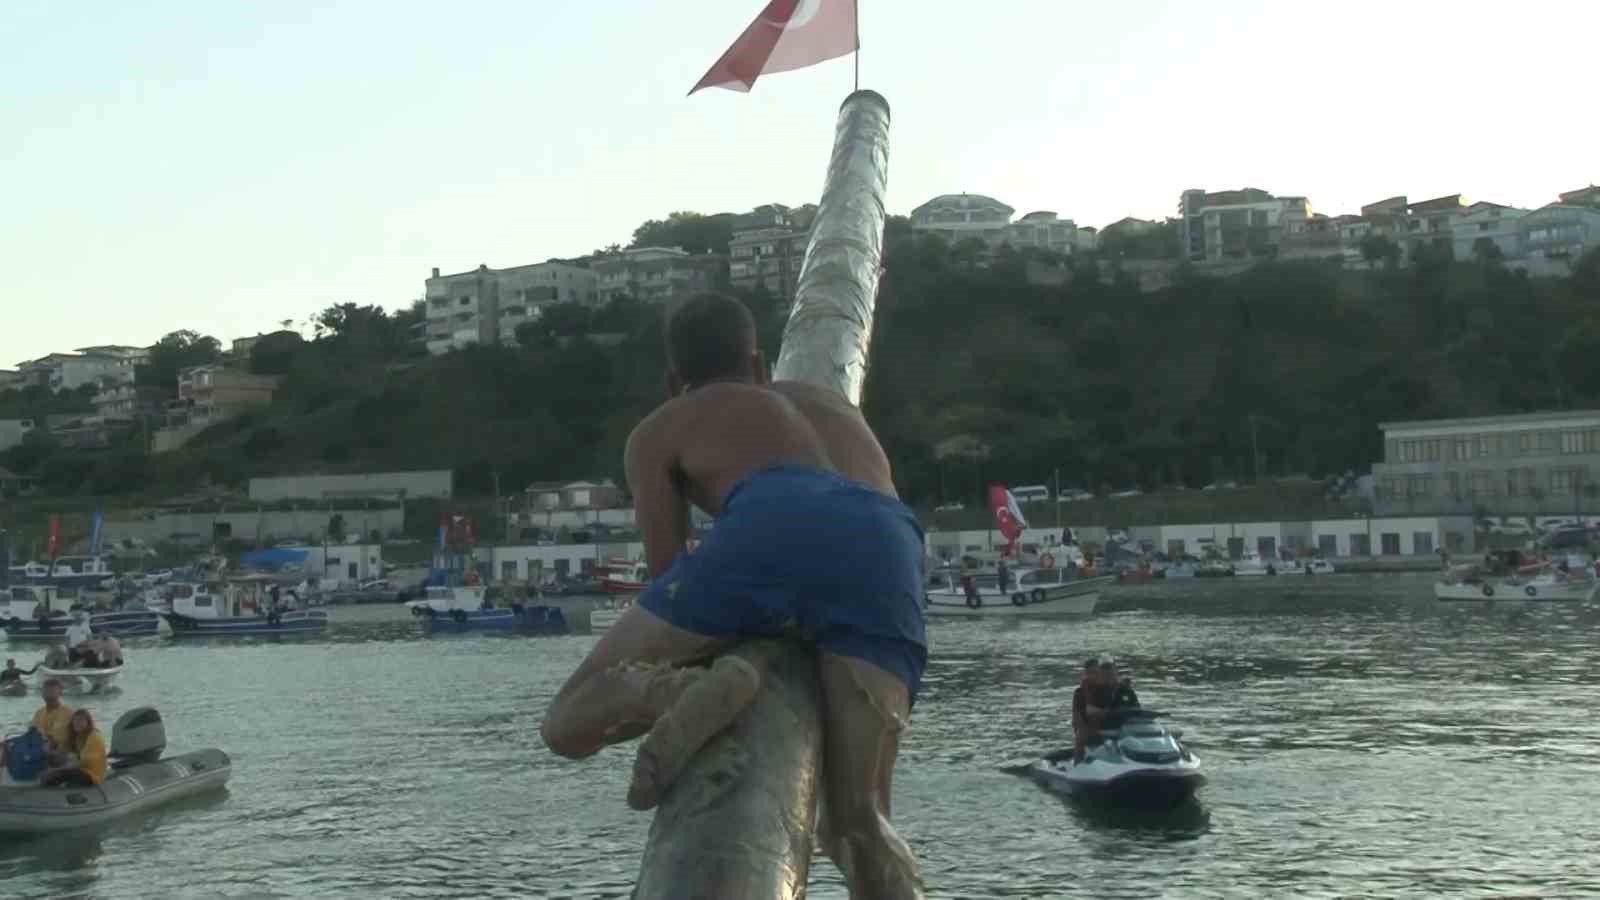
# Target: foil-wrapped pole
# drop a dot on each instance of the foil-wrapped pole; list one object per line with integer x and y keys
{"x": 738, "y": 823}
{"x": 825, "y": 341}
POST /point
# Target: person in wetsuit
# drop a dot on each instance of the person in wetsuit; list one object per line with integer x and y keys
{"x": 11, "y": 673}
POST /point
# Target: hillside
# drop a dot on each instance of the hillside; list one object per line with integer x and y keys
{"x": 976, "y": 375}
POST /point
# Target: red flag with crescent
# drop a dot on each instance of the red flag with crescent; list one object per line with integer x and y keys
{"x": 788, "y": 34}
{"x": 1007, "y": 514}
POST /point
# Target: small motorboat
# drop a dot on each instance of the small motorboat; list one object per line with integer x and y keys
{"x": 1033, "y": 593}
{"x": 1139, "y": 763}
{"x": 138, "y": 779}
{"x": 84, "y": 677}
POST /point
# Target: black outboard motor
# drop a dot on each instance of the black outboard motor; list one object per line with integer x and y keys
{"x": 138, "y": 737}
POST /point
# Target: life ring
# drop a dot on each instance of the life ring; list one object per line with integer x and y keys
{"x": 1038, "y": 595}
{"x": 416, "y": 612}
{"x": 1531, "y": 591}
{"x": 974, "y": 600}
{"x": 459, "y": 615}
{"x": 1048, "y": 561}
{"x": 1488, "y": 590}
{"x": 1019, "y": 599}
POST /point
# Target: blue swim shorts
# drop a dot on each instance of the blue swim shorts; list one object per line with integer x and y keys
{"x": 800, "y": 551}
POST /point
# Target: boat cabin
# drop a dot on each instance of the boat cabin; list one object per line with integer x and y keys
{"x": 68, "y": 566}
{"x": 1024, "y": 580}
{"x": 247, "y": 595}
{"x": 27, "y": 601}
{"x": 444, "y": 598}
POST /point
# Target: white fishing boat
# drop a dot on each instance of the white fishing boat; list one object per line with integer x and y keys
{"x": 1548, "y": 585}
{"x": 1252, "y": 565}
{"x": 1033, "y": 593}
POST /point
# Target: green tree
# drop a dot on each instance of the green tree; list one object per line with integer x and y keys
{"x": 692, "y": 231}
{"x": 174, "y": 353}
{"x": 275, "y": 353}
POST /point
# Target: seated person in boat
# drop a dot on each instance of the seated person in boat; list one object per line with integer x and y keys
{"x": 78, "y": 635}
{"x": 84, "y": 762}
{"x": 11, "y": 673}
{"x": 102, "y": 653}
{"x": 52, "y": 720}
{"x": 810, "y": 541}
{"x": 1087, "y": 711}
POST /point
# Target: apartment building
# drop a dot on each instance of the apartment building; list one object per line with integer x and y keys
{"x": 658, "y": 274}
{"x": 1045, "y": 230}
{"x": 69, "y": 371}
{"x": 1518, "y": 464}
{"x": 1240, "y": 224}
{"x": 769, "y": 247}
{"x": 1553, "y": 238}
{"x": 1484, "y": 223}
{"x": 486, "y": 305}
{"x": 959, "y": 217}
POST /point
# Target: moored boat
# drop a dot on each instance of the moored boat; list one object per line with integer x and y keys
{"x": 463, "y": 608}
{"x": 139, "y": 779}
{"x": 39, "y": 612}
{"x": 84, "y": 677}
{"x": 1028, "y": 592}
{"x": 624, "y": 577}
{"x": 237, "y": 607}
{"x": 1465, "y": 584}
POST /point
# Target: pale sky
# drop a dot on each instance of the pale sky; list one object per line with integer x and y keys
{"x": 223, "y": 165}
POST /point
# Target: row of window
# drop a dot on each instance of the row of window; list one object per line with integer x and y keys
{"x": 1515, "y": 482}
{"x": 1481, "y": 446}
{"x": 1389, "y": 543}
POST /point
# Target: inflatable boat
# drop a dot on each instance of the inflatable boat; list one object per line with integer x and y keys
{"x": 139, "y": 779}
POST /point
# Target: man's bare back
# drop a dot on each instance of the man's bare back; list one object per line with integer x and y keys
{"x": 717, "y": 434}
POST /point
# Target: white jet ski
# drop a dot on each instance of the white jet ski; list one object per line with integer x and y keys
{"x": 1139, "y": 763}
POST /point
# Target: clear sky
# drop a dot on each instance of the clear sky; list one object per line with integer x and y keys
{"x": 224, "y": 165}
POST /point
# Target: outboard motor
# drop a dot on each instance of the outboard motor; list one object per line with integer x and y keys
{"x": 138, "y": 736}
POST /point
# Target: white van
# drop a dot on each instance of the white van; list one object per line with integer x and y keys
{"x": 1031, "y": 493}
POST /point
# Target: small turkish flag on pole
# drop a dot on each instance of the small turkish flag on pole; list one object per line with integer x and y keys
{"x": 788, "y": 34}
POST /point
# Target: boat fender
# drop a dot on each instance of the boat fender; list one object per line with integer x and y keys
{"x": 1038, "y": 595}
{"x": 1019, "y": 599}
{"x": 1048, "y": 561}
{"x": 1488, "y": 590}
{"x": 974, "y": 601}
{"x": 416, "y": 611}
{"x": 274, "y": 618}
{"x": 1531, "y": 591}
{"x": 459, "y": 615}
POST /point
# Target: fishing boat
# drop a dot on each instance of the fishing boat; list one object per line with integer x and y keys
{"x": 464, "y": 607}
{"x": 240, "y": 606}
{"x": 1544, "y": 583}
{"x": 1032, "y": 593}
{"x": 622, "y": 576}
{"x": 67, "y": 572}
{"x": 39, "y": 612}
{"x": 138, "y": 779}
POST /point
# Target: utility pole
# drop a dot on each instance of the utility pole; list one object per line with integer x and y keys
{"x": 1058, "y": 498}
{"x": 1255, "y": 450}
{"x": 499, "y": 511}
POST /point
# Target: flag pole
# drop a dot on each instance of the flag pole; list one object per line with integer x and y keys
{"x": 857, "y": 54}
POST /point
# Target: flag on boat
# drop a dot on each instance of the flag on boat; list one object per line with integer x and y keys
{"x": 95, "y": 521}
{"x": 1007, "y": 514}
{"x": 788, "y": 34}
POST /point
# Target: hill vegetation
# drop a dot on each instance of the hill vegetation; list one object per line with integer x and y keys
{"x": 978, "y": 374}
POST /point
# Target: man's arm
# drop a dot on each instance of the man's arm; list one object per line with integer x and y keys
{"x": 659, "y": 509}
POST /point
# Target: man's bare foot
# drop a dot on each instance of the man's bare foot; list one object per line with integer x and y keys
{"x": 704, "y": 709}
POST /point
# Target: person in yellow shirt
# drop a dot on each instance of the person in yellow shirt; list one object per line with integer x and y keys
{"x": 86, "y": 749}
{"x": 54, "y": 718}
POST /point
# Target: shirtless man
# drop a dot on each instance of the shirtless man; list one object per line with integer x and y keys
{"x": 810, "y": 539}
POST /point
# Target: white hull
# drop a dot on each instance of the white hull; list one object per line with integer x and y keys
{"x": 1537, "y": 591}
{"x": 93, "y": 679}
{"x": 1066, "y": 601}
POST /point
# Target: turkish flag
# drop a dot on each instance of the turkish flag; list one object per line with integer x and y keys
{"x": 788, "y": 34}
{"x": 1007, "y": 514}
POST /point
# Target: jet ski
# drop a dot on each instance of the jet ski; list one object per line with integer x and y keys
{"x": 1139, "y": 763}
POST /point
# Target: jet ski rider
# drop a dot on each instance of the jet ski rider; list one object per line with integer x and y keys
{"x": 1100, "y": 690}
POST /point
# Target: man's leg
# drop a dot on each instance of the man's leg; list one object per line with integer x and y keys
{"x": 865, "y": 709}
